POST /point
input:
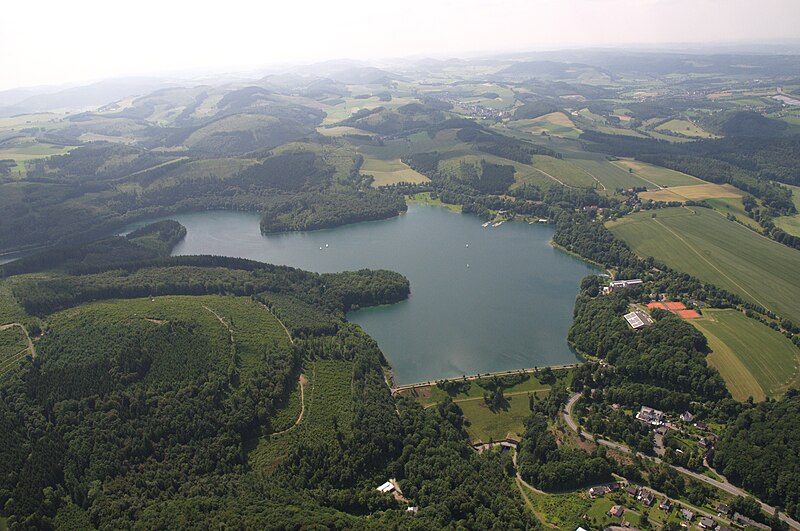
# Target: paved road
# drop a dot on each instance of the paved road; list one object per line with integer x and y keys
{"x": 725, "y": 486}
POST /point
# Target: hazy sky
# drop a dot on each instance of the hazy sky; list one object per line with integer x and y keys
{"x": 60, "y": 41}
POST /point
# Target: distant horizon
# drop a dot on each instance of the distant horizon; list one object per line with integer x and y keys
{"x": 756, "y": 47}
{"x": 81, "y": 41}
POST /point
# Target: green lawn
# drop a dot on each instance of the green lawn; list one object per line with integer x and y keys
{"x": 424, "y": 198}
{"x": 754, "y": 359}
{"x": 702, "y": 243}
{"x": 430, "y": 395}
{"x": 486, "y": 425}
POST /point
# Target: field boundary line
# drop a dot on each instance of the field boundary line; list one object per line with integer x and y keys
{"x": 700, "y": 255}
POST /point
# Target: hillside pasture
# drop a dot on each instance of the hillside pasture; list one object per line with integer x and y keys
{"x": 705, "y": 244}
{"x": 392, "y": 171}
{"x": 753, "y": 359}
{"x": 735, "y": 207}
{"x": 686, "y": 128}
{"x": 695, "y": 192}
{"x": 791, "y": 224}
{"x": 555, "y": 124}
{"x": 611, "y": 176}
{"x": 656, "y": 175}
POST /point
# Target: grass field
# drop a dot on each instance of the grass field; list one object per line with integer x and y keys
{"x": 424, "y": 198}
{"x": 791, "y": 224}
{"x": 685, "y": 127}
{"x": 340, "y": 130}
{"x": 754, "y": 359}
{"x": 735, "y": 207}
{"x": 486, "y": 424}
{"x": 611, "y": 176}
{"x": 555, "y": 123}
{"x": 564, "y": 171}
{"x": 656, "y": 175}
{"x": 694, "y": 192}
{"x": 562, "y": 511}
{"x": 703, "y": 243}
{"x": 388, "y": 172}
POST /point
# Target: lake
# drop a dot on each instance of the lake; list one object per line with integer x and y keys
{"x": 482, "y": 299}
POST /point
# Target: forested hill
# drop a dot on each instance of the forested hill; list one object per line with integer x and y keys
{"x": 152, "y": 241}
{"x": 172, "y": 400}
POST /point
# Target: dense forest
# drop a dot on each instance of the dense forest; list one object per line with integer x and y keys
{"x": 761, "y": 451}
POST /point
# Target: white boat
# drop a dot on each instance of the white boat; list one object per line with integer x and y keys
{"x": 467, "y": 245}
{"x": 486, "y": 224}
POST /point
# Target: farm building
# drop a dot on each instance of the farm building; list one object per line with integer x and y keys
{"x": 686, "y": 514}
{"x": 386, "y": 487}
{"x": 616, "y": 511}
{"x": 638, "y": 319}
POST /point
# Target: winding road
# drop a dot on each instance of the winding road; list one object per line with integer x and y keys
{"x": 722, "y": 485}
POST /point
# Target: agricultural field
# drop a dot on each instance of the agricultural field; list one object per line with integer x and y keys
{"x": 388, "y": 172}
{"x": 753, "y": 359}
{"x": 555, "y": 124}
{"x": 694, "y": 192}
{"x": 686, "y": 128}
{"x": 705, "y": 244}
{"x": 610, "y": 176}
{"x": 656, "y": 176}
{"x": 564, "y": 172}
{"x": 791, "y": 224}
{"x": 735, "y": 207}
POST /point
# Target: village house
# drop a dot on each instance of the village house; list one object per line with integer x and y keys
{"x": 666, "y": 505}
{"x": 686, "y": 514}
{"x": 687, "y": 417}
{"x": 723, "y": 509}
{"x": 647, "y": 498}
{"x": 616, "y": 511}
{"x": 707, "y": 523}
{"x": 594, "y": 492}
{"x": 650, "y": 416}
{"x": 632, "y": 490}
